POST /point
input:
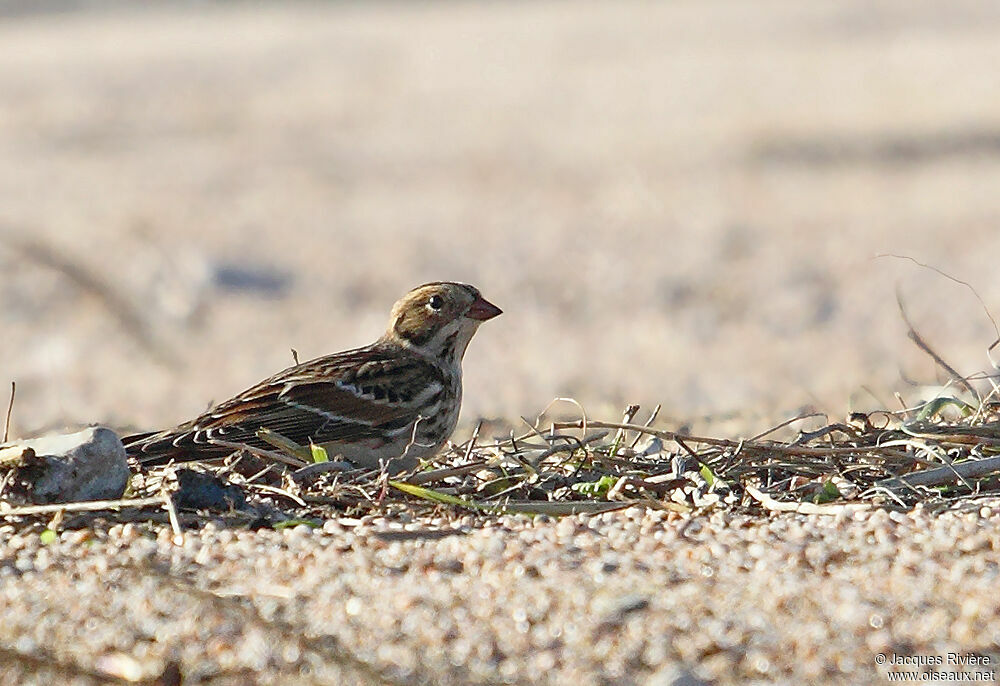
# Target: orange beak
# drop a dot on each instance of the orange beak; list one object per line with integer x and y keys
{"x": 482, "y": 310}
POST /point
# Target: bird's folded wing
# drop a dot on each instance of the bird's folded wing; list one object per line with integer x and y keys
{"x": 357, "y": 395}
{"x": 324, "y": 401}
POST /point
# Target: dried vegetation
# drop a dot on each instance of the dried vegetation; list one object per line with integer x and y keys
{"x": 943, "y": 452}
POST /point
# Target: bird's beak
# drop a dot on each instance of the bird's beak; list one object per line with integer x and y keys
{"x": 482, "y": 310}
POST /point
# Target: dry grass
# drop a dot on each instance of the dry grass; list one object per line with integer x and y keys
{"x": 940, "y": 453}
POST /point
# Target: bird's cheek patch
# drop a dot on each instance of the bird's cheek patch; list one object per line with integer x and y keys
{"x": 413, "y": 329}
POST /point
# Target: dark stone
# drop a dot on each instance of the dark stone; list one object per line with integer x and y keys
{"x": 203, "y": 491}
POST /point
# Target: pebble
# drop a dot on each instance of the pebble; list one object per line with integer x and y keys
{"x": 86, "y": 465}
{"x": 587, "y": 599}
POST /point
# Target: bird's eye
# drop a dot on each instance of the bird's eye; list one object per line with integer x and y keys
{"x": 436, "y": 302}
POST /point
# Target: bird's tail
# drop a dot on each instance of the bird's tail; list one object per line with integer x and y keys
{"x": 160, "y": 447}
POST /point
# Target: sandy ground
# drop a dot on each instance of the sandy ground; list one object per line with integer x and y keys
{"x": 677, "y": 203}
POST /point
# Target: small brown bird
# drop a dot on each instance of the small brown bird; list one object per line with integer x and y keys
{"x": 391, "y": 402}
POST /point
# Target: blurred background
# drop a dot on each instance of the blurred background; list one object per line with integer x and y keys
{"x": 677, "y": 203}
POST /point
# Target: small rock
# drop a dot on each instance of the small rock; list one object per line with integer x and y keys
{"x": 675, "y": 675}
{"x": 86, "y": 465}
{"x": 652, "y": 446}
{"x": 201, "y": 491}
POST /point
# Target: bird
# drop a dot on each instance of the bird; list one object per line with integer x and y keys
{"x": 383, "y": 405}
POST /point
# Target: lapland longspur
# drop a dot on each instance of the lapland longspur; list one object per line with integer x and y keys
{"x": 391, "y": 402}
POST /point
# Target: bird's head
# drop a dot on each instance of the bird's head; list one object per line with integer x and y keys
{"x": 439, "y": 318}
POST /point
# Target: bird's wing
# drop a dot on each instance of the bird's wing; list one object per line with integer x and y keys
{"x": 351, "y": 396}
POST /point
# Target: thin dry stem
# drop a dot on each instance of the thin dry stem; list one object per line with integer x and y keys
{"x": 10, "y": 410}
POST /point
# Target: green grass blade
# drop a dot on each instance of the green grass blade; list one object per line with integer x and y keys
{"x": 318, "y": 453}
{"x": 285, "y": 445}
